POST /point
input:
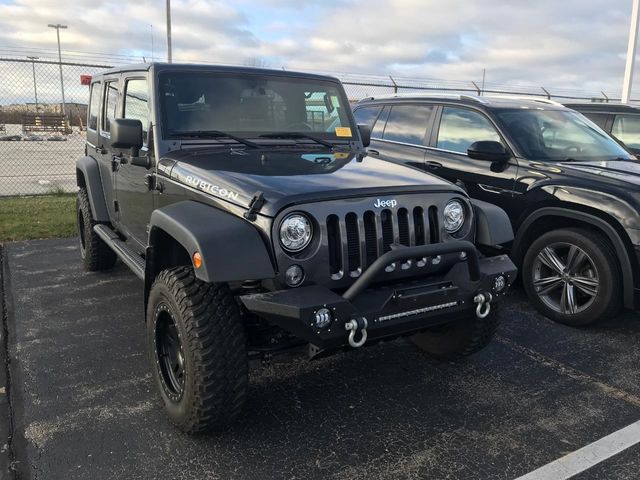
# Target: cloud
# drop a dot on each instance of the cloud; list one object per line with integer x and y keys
{"x": 573, "y": 44}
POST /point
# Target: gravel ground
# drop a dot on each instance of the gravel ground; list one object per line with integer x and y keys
{"x": 85, "y": 406}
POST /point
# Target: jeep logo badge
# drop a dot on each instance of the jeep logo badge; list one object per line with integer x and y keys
{"x": 385, "y": 203}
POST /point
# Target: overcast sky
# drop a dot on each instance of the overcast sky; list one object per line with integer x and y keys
{"x": 576, "y": 44}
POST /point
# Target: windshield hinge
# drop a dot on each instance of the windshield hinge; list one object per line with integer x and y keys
{"x": 254, "y": 206}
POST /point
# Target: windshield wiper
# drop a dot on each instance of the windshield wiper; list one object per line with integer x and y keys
{"x": 294, "y": 135}
{"x": 213, "y": 134}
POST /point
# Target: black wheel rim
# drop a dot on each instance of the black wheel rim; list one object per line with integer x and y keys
{"x": 81, "y": 231}
{"x": 169, "y": 353}
{"x": 565, "y": 278}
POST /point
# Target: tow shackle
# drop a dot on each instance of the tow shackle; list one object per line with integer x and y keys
{"x": 353, "y": 326}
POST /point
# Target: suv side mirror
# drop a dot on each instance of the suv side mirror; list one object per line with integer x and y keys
{"x": 365, "y": 134}
{"x": 126, "y": 133}
{"x": 489, "y": 151}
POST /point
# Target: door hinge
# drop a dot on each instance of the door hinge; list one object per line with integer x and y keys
{"x": 116, "y": 206}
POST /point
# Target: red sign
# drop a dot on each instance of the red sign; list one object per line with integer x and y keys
{"x": 85, "y": 79}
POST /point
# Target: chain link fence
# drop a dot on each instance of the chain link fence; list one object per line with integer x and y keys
{"x": 41, "y": 138}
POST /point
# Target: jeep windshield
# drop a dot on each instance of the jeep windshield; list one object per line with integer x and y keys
{"x": 559, "y": 135}
{"x": 263, "y": 107}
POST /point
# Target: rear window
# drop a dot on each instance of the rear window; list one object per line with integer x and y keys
{"x": 367, "y": 115}
{"x": 94, "y": 106}
{"x": 408, "y": 123}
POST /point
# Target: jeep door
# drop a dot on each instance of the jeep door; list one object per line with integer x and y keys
{"x": 135, "y": 199}
{"x": 102, "y": 144}
{"x": 455, "y": 129}
{"x": 399, "y": 131}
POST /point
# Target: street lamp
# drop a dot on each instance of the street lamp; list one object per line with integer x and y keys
{"x": 169, "y": 56}
{"x": 57, "y": 26}
{"x": 35, "y": 88}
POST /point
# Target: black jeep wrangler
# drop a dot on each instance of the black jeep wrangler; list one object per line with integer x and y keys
{"x": 246, "y": 202}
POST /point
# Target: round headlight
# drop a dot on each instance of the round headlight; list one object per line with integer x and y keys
{"x": 453, "y": 216}
{"x": 295, "y": 232}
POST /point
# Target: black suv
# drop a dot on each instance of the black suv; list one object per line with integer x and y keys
{"x": 620, "y": 121}
{"x": 245, "y": 201}
{"x": 572, "y": 193}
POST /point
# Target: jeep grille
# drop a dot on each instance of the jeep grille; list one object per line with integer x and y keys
{"x": 355, "y": 241}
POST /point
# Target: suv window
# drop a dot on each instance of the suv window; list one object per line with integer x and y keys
{"x": 110, "y": 105}
{"x": 626, "y": 128}
{"x": 367, "y": 115}
{"x": 136, "y": 102}
{"x": 378, "y": 129}
{"x": 459, "y": 128}
{"x": 599, "y": 119}
{"x": 408, "y": 123}
{"x": 94, "y": 106}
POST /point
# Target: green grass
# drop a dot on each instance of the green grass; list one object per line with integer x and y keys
{"x": 46, "y": 216}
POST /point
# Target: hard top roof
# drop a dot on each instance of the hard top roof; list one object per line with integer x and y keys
{"x": 192, "y": 67}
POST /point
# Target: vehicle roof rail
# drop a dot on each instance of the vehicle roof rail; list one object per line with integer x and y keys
{"x": 548, "y": 101}
{"x": 450, "y": 96}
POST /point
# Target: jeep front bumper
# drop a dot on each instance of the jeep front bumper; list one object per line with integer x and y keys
{"x": 328, "y": 320}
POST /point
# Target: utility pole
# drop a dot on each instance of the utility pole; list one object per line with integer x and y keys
{"x": 169, "y": 30}
{"x": 57, "y": 26}
{"x": 35, "y": 87}
{"x": 631, "y": 52}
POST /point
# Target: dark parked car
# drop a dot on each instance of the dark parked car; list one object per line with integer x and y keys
{"x": 618, "y": 120}
{"x": 572, "y": 193}
{"x": 244, "y": 200}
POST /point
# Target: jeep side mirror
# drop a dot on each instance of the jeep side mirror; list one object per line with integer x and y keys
{"x": 488, "y": 150}
{"x": 365, "y": 134}
{"x": 126, "y": 133}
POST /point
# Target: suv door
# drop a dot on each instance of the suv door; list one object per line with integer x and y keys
{"x": 400, "y": 131}
{"x": 109, "y": 111}
{"x": 456, "y": 129}
{"x": 135, "y": 200}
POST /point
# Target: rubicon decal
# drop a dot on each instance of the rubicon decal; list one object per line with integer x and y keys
{"x": 379, "y": 203}
{"x": 211, "y": 188}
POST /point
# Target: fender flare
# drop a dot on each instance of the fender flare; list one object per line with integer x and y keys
{"x": 493, "y": 226}
{"x": 90, "y": 171}
{"x": 609, "y": 231}
{"x": 231, "y": 248}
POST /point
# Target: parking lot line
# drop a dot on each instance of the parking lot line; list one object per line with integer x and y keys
{"x": 588, "y": 456}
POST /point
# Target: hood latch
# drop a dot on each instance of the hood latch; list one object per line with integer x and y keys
{"x": 255, "y": 205}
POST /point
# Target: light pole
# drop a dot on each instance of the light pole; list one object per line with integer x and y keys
{"x": 57, "y": 26}
{"x": 631, "y": 53}
{"x": 169, "y": 30}
{"x": 35, "y": 87}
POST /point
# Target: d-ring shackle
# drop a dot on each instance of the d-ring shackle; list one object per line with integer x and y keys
{"x": 353, "y": 325}
{"x": 484, "y": 304}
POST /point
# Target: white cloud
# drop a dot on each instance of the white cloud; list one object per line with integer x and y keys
{"x": 573, "y": 44}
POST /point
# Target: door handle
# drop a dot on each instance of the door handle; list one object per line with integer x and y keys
{"x": 115, "y": 163}
{"x": 100, "y": 150}
{"x": 432, "y": 164}
{"x": 371, "y": 151}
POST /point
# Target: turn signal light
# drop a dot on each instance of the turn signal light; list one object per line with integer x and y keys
{"x": 197, "y": 260}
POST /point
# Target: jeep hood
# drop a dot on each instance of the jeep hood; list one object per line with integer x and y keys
{"x": 292, "y": 176}
{"x": 621, "y": 172}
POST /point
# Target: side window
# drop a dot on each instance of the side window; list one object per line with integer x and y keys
{"x": 599, "y": 119}
{"x": 136, "y": 102}
{"x": 367, "y": 115}
{"x": 626, "y": 128}
{"x": 110, "y": 105}
{"x": 94, "y": 106}
{"x": 408, "y": 123}
{"x": 378, "y": 128}
{"x": 459, "y": 128}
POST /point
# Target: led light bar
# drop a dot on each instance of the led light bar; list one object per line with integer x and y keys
{"x": 417, "y": 311}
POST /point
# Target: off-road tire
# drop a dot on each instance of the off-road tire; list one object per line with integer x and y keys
{"x": 211, "y": 332}
{"x": 607, "y": 302}
{"x": 459, "y": 338}
{"x": 96, "y": 255}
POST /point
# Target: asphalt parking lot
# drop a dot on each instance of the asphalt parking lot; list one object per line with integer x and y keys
{"x": 84, "y": 405}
